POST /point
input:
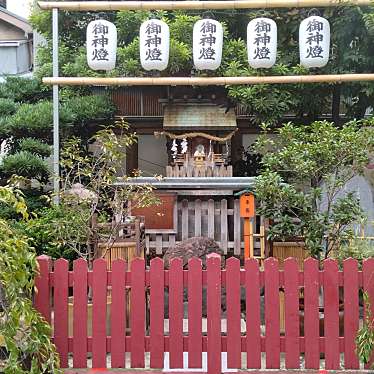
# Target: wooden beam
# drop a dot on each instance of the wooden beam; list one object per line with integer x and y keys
{"x": 203, "y": 81}
{"x": 196, "y": 5}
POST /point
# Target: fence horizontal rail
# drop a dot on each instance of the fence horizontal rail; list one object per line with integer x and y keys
{"x": 243, "y": 346}
{"x": 253, "y": 315}
{"x": 300, "y": 278}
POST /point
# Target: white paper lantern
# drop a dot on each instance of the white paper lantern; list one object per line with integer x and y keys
{"x": 154, "y": 45}
{"x": 262, "y": 42}
{"x": 101, "y": 43}
{"x": 207, "y": 44}
{"x": 314, "y": 42}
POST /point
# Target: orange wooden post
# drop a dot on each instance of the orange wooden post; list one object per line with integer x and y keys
{"x": 247, "y": 211}
{"x": 247, "y": 233}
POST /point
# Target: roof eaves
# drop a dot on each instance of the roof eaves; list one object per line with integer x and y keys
{"x": 15, "y": 20}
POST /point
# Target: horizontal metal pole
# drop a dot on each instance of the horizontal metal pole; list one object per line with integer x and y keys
{"x": 203, "y": 81}
{"x": 174, "y": 5}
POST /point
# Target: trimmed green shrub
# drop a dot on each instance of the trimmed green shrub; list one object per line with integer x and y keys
{"x": 34, "y": 120}
{"x": 7, "y": 107}
{"x": 46, "y": 232}
{"x": 34, "y": 146}
{"x": 25, "y": 164}
{"x": 23, "y": 90}
{"x": 87, "y": 108}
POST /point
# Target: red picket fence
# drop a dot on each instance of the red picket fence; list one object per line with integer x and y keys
{"x": 311, "y": 334}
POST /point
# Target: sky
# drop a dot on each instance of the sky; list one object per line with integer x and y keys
{"x": 20, "y": 7}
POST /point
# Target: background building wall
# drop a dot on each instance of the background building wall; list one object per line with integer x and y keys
{"x": 20, "y": 7}
{"x": 152, "y": 154}
{"x": 9, "y": 32}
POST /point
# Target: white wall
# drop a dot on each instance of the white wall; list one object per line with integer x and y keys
{"x": 152, "y": 155}
{"x": 20, "y": 7}
{"x": 249, "y": 139}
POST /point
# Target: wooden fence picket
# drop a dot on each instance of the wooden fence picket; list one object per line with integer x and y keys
{"x": 157, "y": 316}
{"x": 184, "y": 219}
{"x": 137, "y": 313}
{"x": 224, "y": 226}
{"x": 233, "y": 313}
{"x": 253, "y": 323}
{"x": 272, "y": 320}
{"x": 311, "y": 313}
{"x": 99, "y": 302}
{"x": 61, "y": 293}
{"x": 195, "y": 302}
{"x": 292, "y": 320}
{"x": 331, "y": 314}
{"x": 197, "y": 217}
{"x": 42, "y": 288}
{"x": 211, "y": 218}
{"x": 214, "y": 313}
{"x": 176, "y": 313}
{"x": 351, "y": 312}
{"x": 80, "y": 314}
{"x": 368, "y": 278}
{"x": 118, "y": 314}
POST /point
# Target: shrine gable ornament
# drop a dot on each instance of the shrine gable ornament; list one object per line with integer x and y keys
{"x": 154, "y": 45}
{"x": 101, "y": 44}
{"x": 262, "y": 42}
{"x": 314, "y": 42}
{"x": 207, "y": 44}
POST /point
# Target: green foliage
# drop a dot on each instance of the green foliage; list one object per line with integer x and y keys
{"x": 25, "y": 164}
{"x": 128, "y": 59}
{"x": 181, "y": 28}
{"x": 7, "y": 107}
{"x": 365, "y": 335}
{"x": 128, "y": 25}
{"x": 52, "y": 229}
{"x": 304, "y": 170}
{"x": 32, "y": 120}
{"x": 81, "y": 110}
{"x": 180, "y": 58}
{"x": 72, "y": 25}
{"x": 269, "y": 102}
{"x": 358, "y": 248}
{"x": 35, "y": 120}
{"x": 26, "y": 334}
{"x": 21, "y": 90}
{"x": 35, "y": 147}
{"x": 89, "y": 190}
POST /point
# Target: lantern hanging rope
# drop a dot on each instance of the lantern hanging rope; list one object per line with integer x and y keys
{"x": 195, "y": 135}
{"x": 197, "y": 5}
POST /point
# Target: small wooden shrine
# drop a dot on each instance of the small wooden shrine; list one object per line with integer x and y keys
{"x": 198, "y": 154}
